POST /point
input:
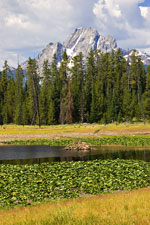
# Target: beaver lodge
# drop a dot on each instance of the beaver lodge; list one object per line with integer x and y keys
{"x": 78, "y": 145}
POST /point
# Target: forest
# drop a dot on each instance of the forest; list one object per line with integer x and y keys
{"x": 104, "y": 88}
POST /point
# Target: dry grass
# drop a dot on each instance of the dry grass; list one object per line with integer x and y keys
{"x": 126, "y": 208}
{"x": 75, "y": 130}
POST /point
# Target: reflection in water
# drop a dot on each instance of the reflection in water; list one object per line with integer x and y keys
{"x": 39, "y": 154}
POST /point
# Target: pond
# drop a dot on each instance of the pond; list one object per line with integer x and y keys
{"x": 40, "y": 154}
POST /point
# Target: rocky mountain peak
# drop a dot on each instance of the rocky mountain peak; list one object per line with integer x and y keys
{"x": 106, "y": 44}
{"x": 145, "y": 57}
{"x": 81, "y": 40}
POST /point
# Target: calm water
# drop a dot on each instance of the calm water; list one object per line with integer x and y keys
{"x": 39, "y": 154}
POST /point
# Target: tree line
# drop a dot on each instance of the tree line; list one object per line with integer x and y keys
{"x": 104, "y": 88}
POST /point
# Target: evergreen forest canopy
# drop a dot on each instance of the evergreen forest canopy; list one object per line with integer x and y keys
{"x": 104, "y": 89}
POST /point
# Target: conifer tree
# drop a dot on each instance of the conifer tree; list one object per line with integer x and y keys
{"x": 45, "y": 93}
{"x": 89, "y": 82}
{"x": 77, "y": 83}
{"x": 18, "y": 114}
{"x": 106, "y": 89}
{"x": 99, "y": 88}
{"x": 51, "y": 113}
{"x": 9, "y": 102}
{"x": 69, "y": 107}
{"x": 56, "y": 90}
{"x": 126, "y": 103}
{"x": 33, "y": 91}
{"x": 3, "y": 88}
{"x": 108, "y": 71}
{"x": 26, "y": 106}
{"x": 119, "y": 68}
{"x": 137, "y": 84}
{"x": 93, "y": 109}
{"x": 146, "y": 95}
{"x": 64, "y": 87}
{"x": 126, "y": 93}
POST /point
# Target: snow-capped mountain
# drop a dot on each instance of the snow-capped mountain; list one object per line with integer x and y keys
{"x": 81, "y": 40}
{"x": 145, "y": 56}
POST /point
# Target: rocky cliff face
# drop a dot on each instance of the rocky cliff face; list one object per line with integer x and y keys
{"x": 81, "y": 40}
{"x": 143, "y": 55}
{"x": 48, "y": 53}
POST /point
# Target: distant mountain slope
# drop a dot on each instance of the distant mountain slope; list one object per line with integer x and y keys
{"x": 143, "y": 55}
{"x": 81, "y": 40}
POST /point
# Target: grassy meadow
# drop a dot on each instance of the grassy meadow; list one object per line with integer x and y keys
{"x": 108, "y": 192}
{"x": 136, "y": 134}
{"x": 125, "y": 208}
{"x": 79, "y": 129}
{"x": 29, "y": 184}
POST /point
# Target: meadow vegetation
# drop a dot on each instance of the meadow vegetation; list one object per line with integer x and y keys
{"x": 123, "y": 208}
{"x": 26, "y": 184}
{"x": 48, "y": 185}
{"x": 112, "y": 140}
{"x": 78, "y": 129}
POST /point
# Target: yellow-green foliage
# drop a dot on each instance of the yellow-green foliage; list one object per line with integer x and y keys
{"x": 91, "y": 129}
{"x": 59, "y": 129}
{"x": 126, "y": 208}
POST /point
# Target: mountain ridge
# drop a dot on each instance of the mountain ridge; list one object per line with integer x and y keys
{"x": 82, "y": 40}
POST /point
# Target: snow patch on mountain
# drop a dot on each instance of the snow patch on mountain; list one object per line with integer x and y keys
{"x": 145, "y": 56}
{"x": 81, "y": 40}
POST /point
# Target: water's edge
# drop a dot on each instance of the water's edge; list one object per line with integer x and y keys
{"x": 39, "y": 154}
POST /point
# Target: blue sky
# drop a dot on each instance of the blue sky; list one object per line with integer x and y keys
{"x": 146, "y": 3}
{"x": 26, "y": 26}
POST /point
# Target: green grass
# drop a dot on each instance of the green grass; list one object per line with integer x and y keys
{"x": 26, "y": 184}
{"x": 125, "y": 208}
{"x": 93, "y": 129}
{"x": 111, "y": 140}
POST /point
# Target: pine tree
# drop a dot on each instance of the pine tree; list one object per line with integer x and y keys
{"x": 89, "y": 83}
{"x": 69, "y": 107}
{"x": 26, "y": 117}
{"x": 108, "y": 72}
{"x": 77, "y": 83}
{"x": 51, "y": 113}
{"x": 137, "y": 84}
{"x": 18, "y": 114}
{"x": 146, "y": 95}
{"x": 56, "y": 89}
{"x": 33, "y": 91}
{"x": 99, "y": 88}
{"x": 64, "y": 87}
{"x": 118, "y": 72}
{"x": 126, "y": 93}
{"x": 45, "y": 93}
{"x": 9, "y": 102}
{"x": 3, "y": 88}
{"x": 93, "y": 109}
